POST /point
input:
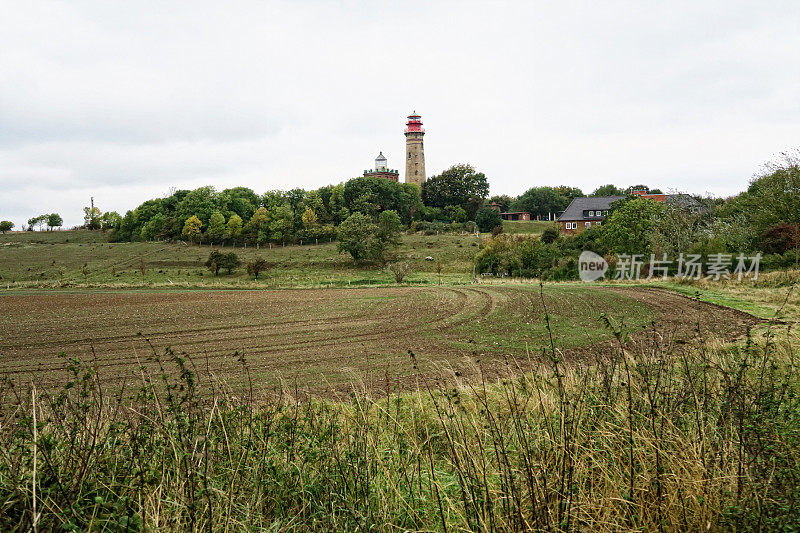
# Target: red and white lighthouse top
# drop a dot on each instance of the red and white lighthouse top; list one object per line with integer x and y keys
{"x": 414, "y": 123}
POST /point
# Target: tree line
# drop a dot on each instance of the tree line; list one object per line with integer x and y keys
{"x": 239, "y": 215}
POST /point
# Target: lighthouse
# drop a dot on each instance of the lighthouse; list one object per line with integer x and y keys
{"x": 381, "y": 170}
{"x": 415, "y": 152}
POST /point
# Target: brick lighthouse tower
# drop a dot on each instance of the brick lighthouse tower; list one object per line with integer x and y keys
{"x": 415, "y": 160}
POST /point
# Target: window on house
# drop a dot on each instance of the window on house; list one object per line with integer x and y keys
{"x": 591, "y": 213}
{"x": 588, "y": 224}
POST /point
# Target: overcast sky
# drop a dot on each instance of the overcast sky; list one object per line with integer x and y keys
{"x": 123, "y": 100}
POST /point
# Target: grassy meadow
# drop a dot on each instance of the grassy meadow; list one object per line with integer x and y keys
{"x": 80, "y": 258}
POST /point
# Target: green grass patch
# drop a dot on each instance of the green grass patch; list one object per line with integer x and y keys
{"x": 534, "y": 227}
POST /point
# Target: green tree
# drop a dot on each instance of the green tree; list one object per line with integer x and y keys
{"x": 541, "y": 201}
{"x": 200, "y": 203}
{"x": 503, "y": 201}
{"x": 216, "y": 227}
{"x": 549, "y": 235}
{"x": 240, "y": 201}
{"x": 456, "y": 213}
{"x": 629, "y": 227}
{"x": 257, "y": 266}
{"x": 192, "y": 228}
{"x": 337, "y": 204}
{"x": 281, "y": 224}
{"x": 372, "y": 195}
{"x": 155, "y": 228}
{"x": 487, "y": 218}
{"x": 459, "y": 185}
{"x": 357, "y": 236}
{"x": 258, "y": 225}
{"x": 110, "y": 220}
{"x": 608, "y": 190}
{"x": 54, "y": 220}
{"x": 389, "y": 228}
{"x": 675, "y": 229}
{"x": 310, "y": 223}
{"x": 92, "y": 217}
{"x": 234, "y": 228}
{"x": 6, "y": 225}
{"x": 230, "y": 262}
{"x": 774, "y": 197}
{"x": 570, "y": 193}
{"x": 215, "y": 261}
{"x": 37, "y": 221}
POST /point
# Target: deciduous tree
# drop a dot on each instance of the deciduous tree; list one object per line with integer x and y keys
{"x": 541, "y": 201}
{"x": 234, "y": 228}
{"x": 487, "y": 218}
{"x": 629, "y": 227}
{"x": 215, "y": 261}
{"x": 54, "y": 220}
{"x": 110, "y": 220}
{"x": 216, "y": 227}
{"x": 92, "y": 217}
{"x": 230, "y": 262}
{"x": 192, "y": 228}
{"x": 257, "y": 266}
{"x": 367, "y": 241}
{"x": 608, "y": 190}
{"x": 459, "y": 185}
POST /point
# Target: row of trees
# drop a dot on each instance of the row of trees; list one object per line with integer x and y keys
{"x": 241, "y": 215}
{"x": 52, "y": 220}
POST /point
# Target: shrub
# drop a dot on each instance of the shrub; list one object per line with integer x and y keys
{"x": 214, "y": 261}
{"x": 366, "y": 241}
{"x": 257, "y": 266}
{"x": 400, "y": 270}
{"x": 780, "y": 238}
{"x": 231, "y": 262}
{"x": 487, "y": 219}
{"x": 549, "y": 235}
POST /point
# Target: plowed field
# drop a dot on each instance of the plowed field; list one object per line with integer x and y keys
{"x": 325, "y": 340}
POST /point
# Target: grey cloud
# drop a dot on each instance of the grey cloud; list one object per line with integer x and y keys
{"x": 124, "y": 100}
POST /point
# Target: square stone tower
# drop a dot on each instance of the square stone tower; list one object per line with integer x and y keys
{"x": 415, "y": 152}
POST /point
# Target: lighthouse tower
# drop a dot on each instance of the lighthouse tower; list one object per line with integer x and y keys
{"x": 415, "y": 152}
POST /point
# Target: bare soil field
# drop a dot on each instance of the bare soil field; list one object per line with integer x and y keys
{"x": 325, "y": 340}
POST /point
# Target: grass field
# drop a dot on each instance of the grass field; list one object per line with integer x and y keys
{"x": 82, "y": 258}
{"x": 535, "y": 227}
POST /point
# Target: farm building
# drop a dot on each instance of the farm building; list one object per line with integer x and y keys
{"x": 583, "y": 213}
{"x": 511, "y": 215}
{"x": 516, "y": 215}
